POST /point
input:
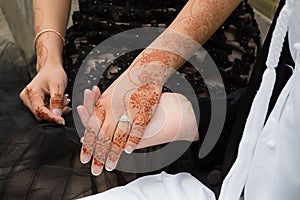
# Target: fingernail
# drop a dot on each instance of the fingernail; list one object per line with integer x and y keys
{"x": 61, "y": 122}
{"x": 109, "y": 169}
{"x": 81, "y": 140}
{"x": 97, "y": 167}
{"x": 96, "y": 171}
{"x": 110, "y": 165}
{"x": 57, "y": 111}
{"x": 84, "y": 158}
{"x": 66, "y": 95}
{"x": 79, "y": 110}
{"x": 129, "y": 149}
{"x": 94, "y": 89}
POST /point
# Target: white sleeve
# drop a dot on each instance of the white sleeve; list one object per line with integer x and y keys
{"x": 160, "y": 186}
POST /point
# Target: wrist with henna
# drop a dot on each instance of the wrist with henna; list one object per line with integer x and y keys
{"x": 49, "y": 50}
{"x": 146, "y": 75}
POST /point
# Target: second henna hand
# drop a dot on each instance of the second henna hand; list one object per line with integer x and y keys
{"x": 173, "y": 120}
{"x": 136, "y": 92}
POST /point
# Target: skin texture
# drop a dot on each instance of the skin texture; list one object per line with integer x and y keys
{"x": 136, "y": 93}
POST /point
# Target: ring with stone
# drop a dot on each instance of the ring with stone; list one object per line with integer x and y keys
{"x": 125, "y": 118}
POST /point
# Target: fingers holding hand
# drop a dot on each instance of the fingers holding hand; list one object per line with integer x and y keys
{"x": 140, "y": 105}
{"x": 90, "y": 99}
{"x": 66, "y": 108}
{"x": 106, "y": 135}
{"x": 84, "y": 115}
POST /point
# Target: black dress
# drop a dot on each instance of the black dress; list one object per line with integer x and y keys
{"x": 41, "y": 160}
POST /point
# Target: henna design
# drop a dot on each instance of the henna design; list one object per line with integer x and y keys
{"x": 134, "y": 139}
{"x": 101, "y": 149}
{"x": 145, "y": 96}
{"x": 57, "y": 101}
{"x": 155, "y": 65}
{"x": 163, "y": 57}
{"x": 142, "y": 118}
{"x": 33, "y": 95}
{"x": 176, "y": 42}
{"x": 118, "y": 145}
{"x": 39, "y": 17}
{"x": 43, "y": 115}
{"x": 120, "y": 140}
{"x": 88, "y": 142}
{"x": 114, "y": 153}
{"x": 99, "y": 111}
{"x": 144, "y": 99}
{"x": 97, "y": 162}
{"x": 41, "y": 51}
{"x": 202, "y": 18}
{"x": 136, "y": 134}
{"x": 85, "y": 151}
{"x": 153, "y": 74}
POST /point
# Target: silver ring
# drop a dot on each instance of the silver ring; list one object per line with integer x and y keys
{"x": 125, "y": 118}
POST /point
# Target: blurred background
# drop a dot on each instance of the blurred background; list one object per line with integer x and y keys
{"x": 16, "y": 26}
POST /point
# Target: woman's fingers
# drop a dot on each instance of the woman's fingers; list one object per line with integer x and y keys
{"x": 93, "y": 126}
{"x": 66, "y": 109}
{"x": 24, "y": 97}
{"x": 95, "y": 144}
{"x": 97, "y": 93}
{"x": 33, "y": 98}
{"x": 45, "y": 114}
{"x": 118, "y": 143}
{"x": 142, "y": 105}
{"x": 86, "y": 110}
{"x": 88, "y": 100}
{"x": 84, "y": 115}
{"x": 89, "y": 139}
{"x": 134, "y": 139}
{"x": 102, "y": 147}
{"x": 56, "y": 99}
{"x": 104, "y": 137}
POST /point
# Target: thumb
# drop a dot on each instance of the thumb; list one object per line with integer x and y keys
{"x": 56, "y": 99}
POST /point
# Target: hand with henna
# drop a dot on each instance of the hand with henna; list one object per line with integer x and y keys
{"x": 135, "y": 94}
{"x": 173, "y": 120}
{"x": 44, "y": 95}
{"x": 124, "y": 111}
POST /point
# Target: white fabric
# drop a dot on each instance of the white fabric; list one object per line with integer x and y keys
{"x": 294, "y": 29}
{"x": 268, "y": 162}
{"x": 157, "y": 187}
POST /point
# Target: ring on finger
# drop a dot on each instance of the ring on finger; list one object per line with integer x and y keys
{"x": 125, "y": 118}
